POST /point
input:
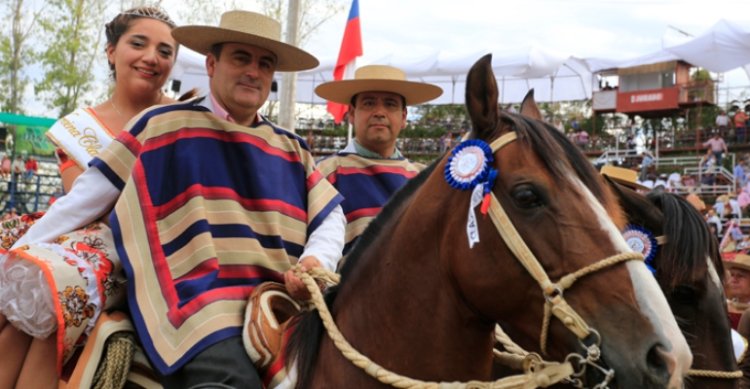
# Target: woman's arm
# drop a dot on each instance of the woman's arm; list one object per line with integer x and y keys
{"x": 91, "y": 197}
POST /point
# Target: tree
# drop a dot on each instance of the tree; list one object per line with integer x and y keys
{"x": 73, "y": 32}
{"x": 15, "y": 54}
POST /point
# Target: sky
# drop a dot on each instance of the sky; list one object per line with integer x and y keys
{"x": 612, "y": 29}
{"x": 584, "y": 28}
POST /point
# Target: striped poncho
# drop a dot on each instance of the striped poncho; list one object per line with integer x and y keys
{"x": 366, "y": 184}
{"x": 208, "y": 210}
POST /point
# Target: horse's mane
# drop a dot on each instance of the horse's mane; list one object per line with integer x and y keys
{"x": 549, "y": 144}
{"x": 552, "y": 146}
{"x": 689, "y": 241}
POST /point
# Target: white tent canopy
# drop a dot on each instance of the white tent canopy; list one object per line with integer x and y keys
{"x": 554, "y": 77}
{"x": 723, "y": 47}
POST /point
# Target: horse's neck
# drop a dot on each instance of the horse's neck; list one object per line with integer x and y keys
{"x": 402, "y": 295}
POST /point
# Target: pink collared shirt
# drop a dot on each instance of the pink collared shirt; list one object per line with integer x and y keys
{"x": 222, "y": 113}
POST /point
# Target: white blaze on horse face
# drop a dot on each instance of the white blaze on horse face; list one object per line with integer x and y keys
{"x": 649, "y": 296}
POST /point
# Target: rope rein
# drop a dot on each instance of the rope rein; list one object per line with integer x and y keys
{"x": 537, "y": 375}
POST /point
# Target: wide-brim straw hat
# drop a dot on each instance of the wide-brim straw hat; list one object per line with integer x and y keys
{"x": 621, "y": 175}
{"x": 741, "y": 261}
{"x": 378, "y": 78}
{"x": 249, "y": 28}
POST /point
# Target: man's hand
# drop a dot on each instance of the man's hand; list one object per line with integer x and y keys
{"x": 294, "y": 284}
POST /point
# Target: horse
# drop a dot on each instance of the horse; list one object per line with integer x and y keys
{"x": 423, "y": 288}
{"x": 690, "y": 272}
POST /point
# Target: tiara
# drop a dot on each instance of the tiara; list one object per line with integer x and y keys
{"x": 152, "y": 12}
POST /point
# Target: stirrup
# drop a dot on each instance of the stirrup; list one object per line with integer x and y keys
{"x": 267, "y": 315}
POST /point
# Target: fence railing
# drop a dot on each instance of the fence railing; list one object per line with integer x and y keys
{"x": 30, "y": 193}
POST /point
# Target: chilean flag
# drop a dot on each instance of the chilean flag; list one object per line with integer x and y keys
{"x": 351, "y": 48}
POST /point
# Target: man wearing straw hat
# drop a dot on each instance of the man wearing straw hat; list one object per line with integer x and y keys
{"x": 210, "y": 200}
{"x": 371, "y": 168}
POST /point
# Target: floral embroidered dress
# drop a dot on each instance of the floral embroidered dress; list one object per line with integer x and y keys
{"x": 62, "y": 287}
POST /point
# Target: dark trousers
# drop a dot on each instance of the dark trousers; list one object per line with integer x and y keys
{"x": 223, "y": 365}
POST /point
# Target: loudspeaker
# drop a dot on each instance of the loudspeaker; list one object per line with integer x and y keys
{"x": 274, "y": 86}
{"x": 176, "y": 84}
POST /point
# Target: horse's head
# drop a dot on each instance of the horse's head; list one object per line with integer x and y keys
{"x": 689, "y": 270}
{"x": 565, "y": 220}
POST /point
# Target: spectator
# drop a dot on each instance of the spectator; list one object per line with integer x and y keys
{"x": 674, "y": 182}
{"x": 31, "y": 167}
{"x": 582, "y": 139}
{"x": 743, "y": 199}
{"x": 646, "y": 163}
{"x": 713, "y": 219}
{"x": 5, "y": 167}
{"x": 698, "y": 203}
{"x": 661, "y": 181}
{"x": 717, "y": 147}
{"x": 740, "y": 173}
{"x": 738, "y": 287}
{"x": 18, "y": 167}
{"x": 707, "y": 166}
{"x": 740, "y": 125}
{"x": 722, "y": 122}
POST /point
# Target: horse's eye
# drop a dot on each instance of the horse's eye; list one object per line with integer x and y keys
{"x": 525, "y": 196}
{"x": 684, "y": 294}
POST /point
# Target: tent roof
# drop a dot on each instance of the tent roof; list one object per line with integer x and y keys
{"x": 723, "y": 47}
{"x": 20, "y": 120}
{"x": 555, "y": 77}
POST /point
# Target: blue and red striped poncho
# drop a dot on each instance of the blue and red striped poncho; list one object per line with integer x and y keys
{"x": 366, "y": 184}
{"x": 208, "y": 210}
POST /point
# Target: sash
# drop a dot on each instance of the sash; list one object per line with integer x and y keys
{"x": 80, "y": 135}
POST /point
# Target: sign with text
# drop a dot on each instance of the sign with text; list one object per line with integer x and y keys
{"x": 647, "y": 100}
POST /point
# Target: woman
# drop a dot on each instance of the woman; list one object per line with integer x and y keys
{"x": 57, "y": 292}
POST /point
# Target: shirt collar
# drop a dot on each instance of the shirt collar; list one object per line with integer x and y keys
{"x": 361, "y": 150}
{"x": 222, "y": 113}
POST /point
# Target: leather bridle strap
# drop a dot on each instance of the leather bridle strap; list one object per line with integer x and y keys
{"x": 553, "y": 292}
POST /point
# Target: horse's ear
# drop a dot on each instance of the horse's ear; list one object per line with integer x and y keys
{"x": 529, "y": 107}
{"x": 481, "y": 97}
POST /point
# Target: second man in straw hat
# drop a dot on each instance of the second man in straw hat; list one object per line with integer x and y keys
{"x": 371, "y": 168}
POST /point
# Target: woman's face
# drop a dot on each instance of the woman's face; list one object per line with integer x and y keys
{"x": 144, "y": 55}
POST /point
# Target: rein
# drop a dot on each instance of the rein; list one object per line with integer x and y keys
{"x": 538, "y": 373}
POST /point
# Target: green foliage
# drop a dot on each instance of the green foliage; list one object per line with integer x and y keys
{"x": 438, "y": 113}
{"x": 701, "y": 75}
{"x": 15, "y": 54}
{"x": 73, "y": 30}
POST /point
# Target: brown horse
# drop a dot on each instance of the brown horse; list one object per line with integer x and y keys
{"x": 689, "y": 270}
{"x": 419, "y": 300}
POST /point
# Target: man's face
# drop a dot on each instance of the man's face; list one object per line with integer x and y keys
{"x": 378, "y": 118}
{"x": 241, "y": 77}
{"x": 739, "y": 284}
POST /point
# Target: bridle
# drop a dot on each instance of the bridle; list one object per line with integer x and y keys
{"x": 553, "y": 292}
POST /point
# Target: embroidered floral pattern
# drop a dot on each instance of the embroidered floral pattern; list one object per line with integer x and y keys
{"x": 75, "y": 305}
{"x": 12, "y": 229}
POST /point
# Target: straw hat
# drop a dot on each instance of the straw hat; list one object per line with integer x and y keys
{"x": 249, "y": 28}
{"x": 741, "y": 261}
{"x": 378, "y": 78}
{"x": 623, "y": 176}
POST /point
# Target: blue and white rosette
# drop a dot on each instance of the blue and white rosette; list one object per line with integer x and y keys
{"x": 470, "y": 168}
{"x": 642, "y": 241}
